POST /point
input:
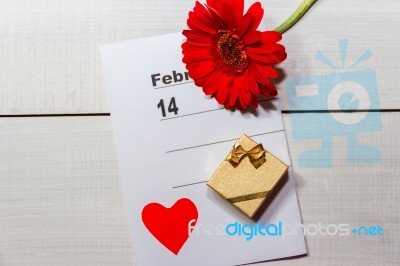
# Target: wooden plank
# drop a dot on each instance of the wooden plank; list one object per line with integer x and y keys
{"x": 49, "y": 58}
{"x": 354, "y": 194}
{"x": 61, "y": 200}
{"x": 60, "y": 196}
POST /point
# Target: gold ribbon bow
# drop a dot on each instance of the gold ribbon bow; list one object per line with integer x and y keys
{"x": 255, "y": 154}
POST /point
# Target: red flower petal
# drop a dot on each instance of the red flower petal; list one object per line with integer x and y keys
{"x": 252, "y": 19}
{"x": 259, "y": 75}
{"x": 212, "y": 3}
{"x": 271, "y": 37}
{"x": 217, "y": 17}
{"x": 196, "y": 25}
{"x": 230, "y": 11}
{"x": 238, "y": 83}
{"x": 264, "y": 71}
{"x": 275, "y": 57}
{"x": 265, "y": 59}
{"x": 213, "y": 83}
{"x": 233, "y": 95}
{"x": 245, "y": 99}
{"x": 261, "y": 49}
{"x": 196, "y": 36}
{"x": 201, "y": 70}
{"x": 204, "y": 16}
{"x": 226, "y": 55}
{"x": 197, "y": 44}
{"x": 225, "y": 11}
{"x": 196, "y": 51}
{"x": 200, "y": 64}
{"x": 252, "y": 37}
{"x": 268, "y": 90}
{"x": 200, "y": 82}
{"x": 280, "y": 52}
{"x": 201, "y": 19}
{"x": 222, "y": 92}
{"x": 237, "y": 12}
{"x": 253, "y": 86}
{"x": 190, "y": 60}
{"x": 244, "y": 24}
{"x": 254, "y": 101}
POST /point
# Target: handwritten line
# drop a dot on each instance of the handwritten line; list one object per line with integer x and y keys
{"x": 200, "y": 182}
{"x": 340, "y": 111}
{"x": 283, "y": 111}
{"x": 176, "y": 84}
{"x": 196, "y": 183}
{"x": 55, "y": 115}
{"x": 202, "y": 112}
{"x": 222, "y": 141}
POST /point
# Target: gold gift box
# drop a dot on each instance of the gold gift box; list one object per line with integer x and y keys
{"x": 247, "y": 176}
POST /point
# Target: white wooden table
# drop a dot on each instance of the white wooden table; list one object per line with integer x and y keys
{"x": 60, "y": 194}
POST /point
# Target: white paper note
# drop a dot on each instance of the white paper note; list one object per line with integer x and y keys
{"x": 171, "y": 138}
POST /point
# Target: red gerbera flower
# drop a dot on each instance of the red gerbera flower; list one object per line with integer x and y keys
{"x": 227, "y": 56}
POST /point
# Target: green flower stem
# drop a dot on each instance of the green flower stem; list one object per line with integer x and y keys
{"x": 296, "y": 16}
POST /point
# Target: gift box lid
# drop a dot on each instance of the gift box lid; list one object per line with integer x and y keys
{"x": 245, "y": 185}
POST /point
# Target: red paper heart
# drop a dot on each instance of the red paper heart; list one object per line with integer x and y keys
{"x": 170, "y": 226}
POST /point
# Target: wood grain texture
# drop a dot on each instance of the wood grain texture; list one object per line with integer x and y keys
{"x": 60, "y": 196}
{"x": 61, "y": 200}
{"x": 49, "y": 49}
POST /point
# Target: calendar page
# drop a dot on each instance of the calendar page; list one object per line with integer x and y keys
{"x": 170, "y": 139}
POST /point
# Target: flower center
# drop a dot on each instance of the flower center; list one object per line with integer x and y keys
{"x": 232, "y": 50}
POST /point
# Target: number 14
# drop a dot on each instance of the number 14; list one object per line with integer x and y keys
{"x": 172, "y": 108}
